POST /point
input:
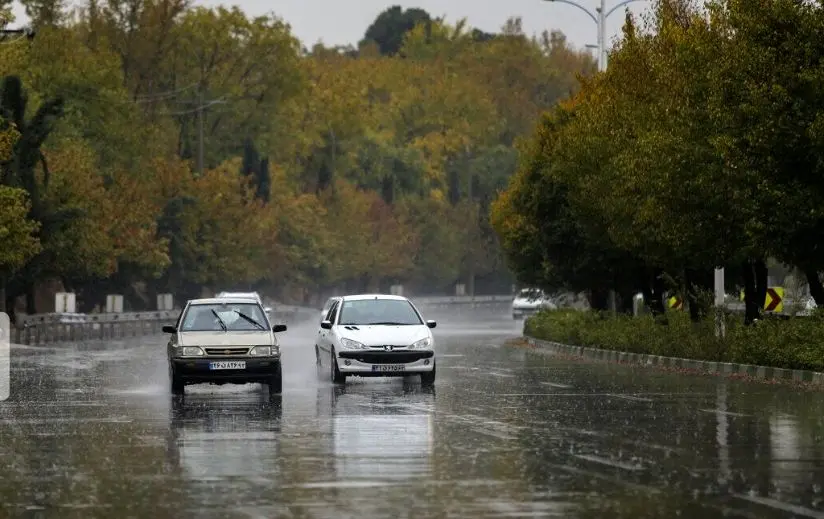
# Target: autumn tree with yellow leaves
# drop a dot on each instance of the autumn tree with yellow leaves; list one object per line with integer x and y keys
{"x": 324, "y": 169}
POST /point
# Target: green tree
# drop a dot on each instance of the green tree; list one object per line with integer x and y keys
{"x": 390, "y": 27}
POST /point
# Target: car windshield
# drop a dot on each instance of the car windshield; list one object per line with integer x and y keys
{"x": 378, "y": 311}
{"x": 530, "y": 294}
{"x": 218, "y": 317}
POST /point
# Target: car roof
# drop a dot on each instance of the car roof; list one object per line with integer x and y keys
{"x": 361, "y": 297}
{"x": 238, "y": 294}
{"x": 222, "y": 300}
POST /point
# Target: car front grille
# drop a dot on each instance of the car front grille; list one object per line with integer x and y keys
{"x": 386, "y": 357}
{"x": 227, "y": 351}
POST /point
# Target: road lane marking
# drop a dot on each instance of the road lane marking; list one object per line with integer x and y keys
{"x": 609, "y": 462}
{"x": 780, "y": 505}
{"x": 727, "y": 413}
{"x": 631, "y": 398}
{"x": 555, "y": 384}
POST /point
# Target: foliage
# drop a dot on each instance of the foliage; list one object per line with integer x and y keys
{"x": 329, "y": 170}
{"x": 17, "y": 232}
{"x": 698, "y": 147}
{"x": 791, "y": 344}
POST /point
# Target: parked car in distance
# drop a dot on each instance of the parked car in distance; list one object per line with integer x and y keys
{"x": 529, "y": 301}
{"x": 247, "y": 295}
{"x": 375, "y": 335}
{"x": 224, "y": 341}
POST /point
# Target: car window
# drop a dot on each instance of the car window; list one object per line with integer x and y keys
{"x": 378, "y": 311}
{"x": 326, "y": 307}
{"x": 330, "y": 316}
{"x": 202, "y": 318}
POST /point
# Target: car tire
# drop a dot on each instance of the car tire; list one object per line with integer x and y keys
{"x": 428, "y": 378}
{"x": 276, "y": 383}
{"x": 178, "y": 387}
{"x": 336, "y": 375}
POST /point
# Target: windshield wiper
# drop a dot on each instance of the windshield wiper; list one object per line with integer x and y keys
{"x": 250, "y": 320}
{"x": 388, "y": 323}
{"x": 222, "y": 324}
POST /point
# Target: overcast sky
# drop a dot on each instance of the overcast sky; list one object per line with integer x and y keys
{"x": 336, "y": 22}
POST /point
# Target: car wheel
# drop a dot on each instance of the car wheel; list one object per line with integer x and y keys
{"x": 276, "y": 382}
{"x": 178, "y": 387}
{"x": 428, "y": 377}
{"x": 337, "y": 376}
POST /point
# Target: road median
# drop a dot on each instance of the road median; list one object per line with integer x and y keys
{"x": 771, "y": 351}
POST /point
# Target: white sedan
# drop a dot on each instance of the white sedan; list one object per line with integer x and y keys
{"x": 529, "y": 301}
{"x": 375, "y": 336}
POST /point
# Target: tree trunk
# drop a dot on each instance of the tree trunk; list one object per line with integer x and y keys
{"x": 698, "y": 283}
{"x": 9, "y": 300}
{"x": 653, "y": 290}
{"x": 599, "y": 299}
{"x": 816, "y": 287}
{"x": 31, "y": 303}
{"x": 761, "y": 274}
{"x": 755, "y": 289}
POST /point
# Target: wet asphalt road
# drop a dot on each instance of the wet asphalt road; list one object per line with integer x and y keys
{"x": 92, "y": 431}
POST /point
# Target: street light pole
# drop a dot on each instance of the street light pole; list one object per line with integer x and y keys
{"x": 599, "y": 17}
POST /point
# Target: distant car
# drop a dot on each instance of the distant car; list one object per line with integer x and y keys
{"x": 247, "y": 295}
{"x": 529, "y": 301}
{"x": 375, "y": 335}
{"x": 224, "y": 341}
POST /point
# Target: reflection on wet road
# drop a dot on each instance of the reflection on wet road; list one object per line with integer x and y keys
{"x": 506, "y": 432}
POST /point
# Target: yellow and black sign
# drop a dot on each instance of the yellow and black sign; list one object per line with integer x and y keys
{"x": 675, "y": 303}
{"x": 774, "y": 301}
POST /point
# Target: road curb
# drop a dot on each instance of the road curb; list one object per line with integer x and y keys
{"x": 708, "y": 367}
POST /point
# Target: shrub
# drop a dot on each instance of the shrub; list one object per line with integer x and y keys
{"x": 796, "y": 343}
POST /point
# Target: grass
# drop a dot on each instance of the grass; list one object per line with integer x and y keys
{"x": 796, "y": 343}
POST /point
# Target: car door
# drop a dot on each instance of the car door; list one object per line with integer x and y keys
{"x": 324, "y": 340}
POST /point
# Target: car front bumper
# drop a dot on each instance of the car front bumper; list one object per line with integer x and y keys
{"x": 196, "y": 370}
{"x": 386, "y": 363}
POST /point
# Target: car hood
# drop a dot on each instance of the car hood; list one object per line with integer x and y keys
{"x": 250, "y": 338}
{"x": 380, "y": 335}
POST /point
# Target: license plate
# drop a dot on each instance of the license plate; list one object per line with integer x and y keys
{"x": 389, "y": 367}
{"x": 229, "y": 364}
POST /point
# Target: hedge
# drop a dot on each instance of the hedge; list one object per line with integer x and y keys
{"x": 796, "y": 343}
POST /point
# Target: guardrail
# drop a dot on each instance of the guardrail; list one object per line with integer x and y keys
{"x": 40, "y": 329}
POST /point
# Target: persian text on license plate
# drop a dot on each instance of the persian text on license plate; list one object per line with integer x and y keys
{"x": 388, "y": 367}
{"x": 228, "y": 364}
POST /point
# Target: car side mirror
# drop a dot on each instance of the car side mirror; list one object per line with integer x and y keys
{"x": 279, "y": 328}
{"x": 168, "y": 328}
{"x": 268, "y": 310}
{"x": 431, "y": 324}
{"x": 326, "y": 325}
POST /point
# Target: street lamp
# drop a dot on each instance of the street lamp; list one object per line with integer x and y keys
{"x": 599, "y": 17}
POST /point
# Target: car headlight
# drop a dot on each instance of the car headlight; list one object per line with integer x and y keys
{"x": 421, "y": 344}
{"x": 191, "y": 351}
{"x": 264, "y": 351}
{"x": 352, "y": 345}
